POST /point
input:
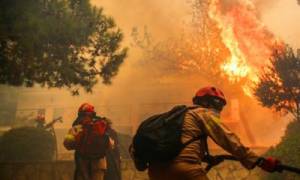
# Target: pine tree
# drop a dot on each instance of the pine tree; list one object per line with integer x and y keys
{"x": 57, "y": 43}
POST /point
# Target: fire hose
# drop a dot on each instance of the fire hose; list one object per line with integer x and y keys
{"x": 215, "y": 160}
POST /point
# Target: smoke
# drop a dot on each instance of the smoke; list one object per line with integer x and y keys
{"x": 148, "y": 88}
{"x": 141, "y": 89}
{"x": 161, "y": 17}
{"x": 263, "y": 5}
{"x": 163, "y": 20}
{"x": 278, "y": 15}
{"x": 257, "y": 3}
{"x": 281, "y": 19}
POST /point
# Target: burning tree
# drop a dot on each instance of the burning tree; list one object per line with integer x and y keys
{"x": 197, "y": 51}
{"x": 225, "y": 44}
{"x": 57, "y": 43}
{"x": 279, "y": 86}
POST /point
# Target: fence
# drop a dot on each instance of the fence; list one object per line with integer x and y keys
{"x": 63, "y": 170}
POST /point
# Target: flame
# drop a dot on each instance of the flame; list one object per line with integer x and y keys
{"x": 249, "y": 42}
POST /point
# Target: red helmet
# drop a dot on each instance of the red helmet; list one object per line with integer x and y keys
{"x": 86, "y": 108}
{"x": 211, "y": 91}
{"x": 40, "y": 118}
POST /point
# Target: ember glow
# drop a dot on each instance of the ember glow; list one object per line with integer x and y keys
{"x": 249, "y": 42}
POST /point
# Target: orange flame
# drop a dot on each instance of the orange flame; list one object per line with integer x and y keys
{"x": 249, "y": 42}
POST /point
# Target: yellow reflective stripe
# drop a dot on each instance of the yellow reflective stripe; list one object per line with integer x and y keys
{"x": 212, "y": 116}
{"x": 216, "y": 119}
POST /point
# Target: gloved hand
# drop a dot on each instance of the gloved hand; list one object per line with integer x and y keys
{"x": 269, "y": 164}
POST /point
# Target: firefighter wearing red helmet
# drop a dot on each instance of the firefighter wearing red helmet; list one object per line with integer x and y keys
{"x": 210, "y": 97}
{"x": 89, "y": 140}
{"x": 86, "y": 108}
{"x": 204, "y": 121}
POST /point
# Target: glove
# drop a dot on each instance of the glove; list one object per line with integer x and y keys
{"x": 269, "y": 164}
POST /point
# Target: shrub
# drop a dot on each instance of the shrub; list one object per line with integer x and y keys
{"x": 27, "y": 144}
{"x": 287, "y": 151}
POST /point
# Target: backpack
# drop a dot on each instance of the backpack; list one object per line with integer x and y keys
{"x": 92, "y": 141}
{"x": 158, "y": 138}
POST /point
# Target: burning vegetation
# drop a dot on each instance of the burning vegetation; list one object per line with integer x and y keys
{"x": 249, "y": 42}
{"x": 225, "y": 43}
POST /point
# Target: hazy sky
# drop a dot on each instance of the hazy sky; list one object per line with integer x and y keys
{"x": 283, "y": 19}
{"x": 163, "y": 17}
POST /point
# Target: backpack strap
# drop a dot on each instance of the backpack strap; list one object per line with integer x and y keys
{"x": 209, "y": 159}
{"x": 203, "y": 140}
{"x": 205, "y": 146}
{"x": 197, "y": 137}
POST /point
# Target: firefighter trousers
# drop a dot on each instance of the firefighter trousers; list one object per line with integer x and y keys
{"x": 89, "y": 169}
{"x": 177, "y": 171}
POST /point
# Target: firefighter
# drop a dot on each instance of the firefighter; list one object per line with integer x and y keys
{"x": 40, "y": 121}
{"x": 87, "y": 167}
{"x": 205, "y": 121}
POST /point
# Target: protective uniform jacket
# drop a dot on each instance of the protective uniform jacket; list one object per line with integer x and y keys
{"x": 201, "y": 122}
{"x": 207, "y": 122}
{"x": 86, "y": 168}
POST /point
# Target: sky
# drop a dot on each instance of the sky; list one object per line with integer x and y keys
{"x": 283, "y": 19}
{"x": 163, "y": 17}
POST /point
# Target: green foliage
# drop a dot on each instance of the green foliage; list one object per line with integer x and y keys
{"x": 279, "y": 86}
{"x": 288, "y": 151}
{"x": 57, "y": 43}
{"x": 27, "y": 144}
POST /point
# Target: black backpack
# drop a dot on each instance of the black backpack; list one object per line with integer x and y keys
{"x": 158, "y": 138}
